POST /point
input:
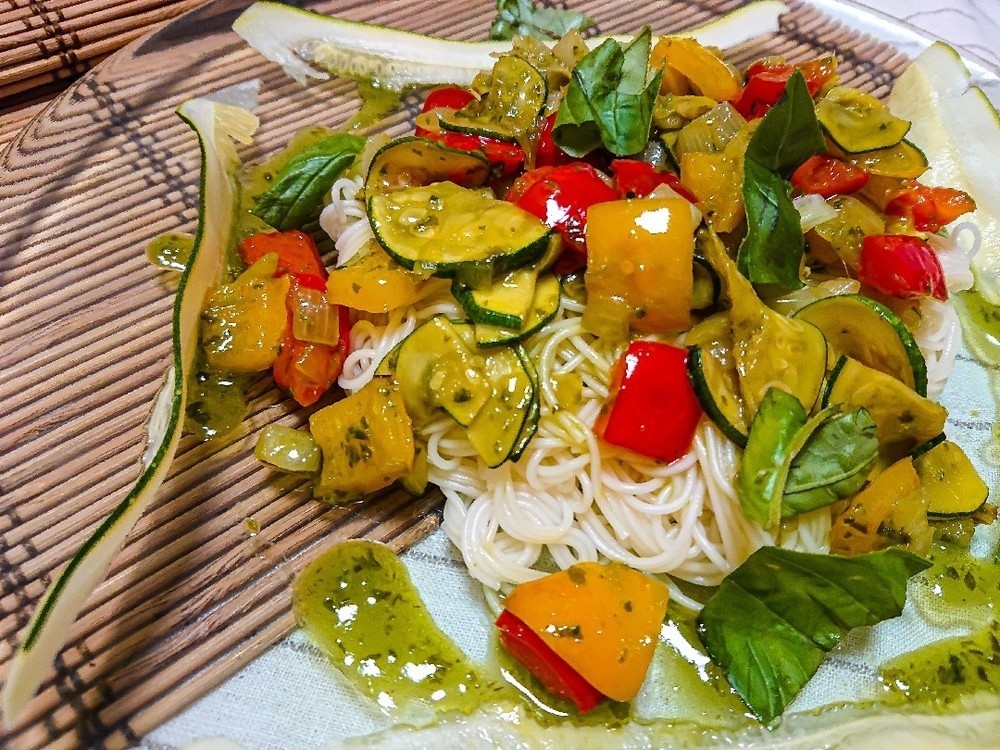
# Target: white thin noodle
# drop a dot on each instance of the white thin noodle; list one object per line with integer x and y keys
{"x": 576, "y": 498}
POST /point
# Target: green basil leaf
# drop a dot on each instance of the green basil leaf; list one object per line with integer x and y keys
{"x": 774, "y": 618}
{"x": 772, "y": 250}
{"x": 524, "y": 18}
{"x": 298, "y": 189}
{"x": 609, "y": 100}
{"x": 760, "y": 483}
{"x": 834, "y": 461}
{"x": 789, "y": 133}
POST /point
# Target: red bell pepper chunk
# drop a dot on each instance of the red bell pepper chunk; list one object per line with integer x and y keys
{"x": 556, "y": 676}
{"x": 637, "y": 179}
{"x": 506, "y": 158}
{"x": 930, "y": 208}
{"x": 307, "y": 369}
{"x": 297, "y": 253}
{"x": 652, "y": 408}
{"x": 827, "y": 176}
{"x": 901, "y": 265}
{"x": 560, "y": 197}
{"x": 448, "y": 97}
{"x": 767, "y": 79}
{"x": 547, "y": 153}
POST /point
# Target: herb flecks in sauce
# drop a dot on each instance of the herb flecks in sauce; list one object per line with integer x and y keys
{"x": 981, "y": 333}
{"x": 356, "y": 601}
{"x": 171, "y": 250}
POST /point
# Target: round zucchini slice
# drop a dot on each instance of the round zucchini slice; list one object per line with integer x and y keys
{"x": 950, "y": 482}
{"x": 439, "y": 229}
{"x": 717, "y": 391}
{"x": 858, "y": 122}
{"x": 506, "y": 303}
{"x": 871, "y": 333}
{"x": 903, "y": 161}
{"x": 544, "y": 307}
{"x": 903, "y": 418}
{"x": 412, "y": 161}
{"x": 509, "y": 109}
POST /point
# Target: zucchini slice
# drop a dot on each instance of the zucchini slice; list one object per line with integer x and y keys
{"x": 218, "y": 127}
{"x": 707, "y": 287}
{"x": 308, "y": 44}
{"x": 530, "y": 426}
{"x": 436, "y": 369}
{"x": 903, "y": 418}
{"x": 443, "y": 228}
{"x": 503, "y": 425}
{"x": 871, "y": 333}
{"x": 950, "y": 482}
{"x": 903, "y": 161}
{"x": 508, "y": 111}
{"x": 544, "y": 307}
{"x": 412, "y": 161}
{"x": 506, "y": 303}
{"x": 717, "y": 391}
{"x": 858, "y": 122}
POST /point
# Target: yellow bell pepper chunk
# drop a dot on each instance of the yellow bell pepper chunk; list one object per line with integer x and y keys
{"x": 373, "y": 283}
{"x": 640, "y": 252}
{"x": 602, "y": 620}
{"x": 242, "y": 323}
{"x": 366, "y": 440}
{"x": 890, "y": 511}
{"x": 708, "y": 74}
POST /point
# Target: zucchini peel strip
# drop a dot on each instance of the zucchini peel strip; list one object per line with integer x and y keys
{"x": 313, "y": 45}
{"x": 218, "y": 126}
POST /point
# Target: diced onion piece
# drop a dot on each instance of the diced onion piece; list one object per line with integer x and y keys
{"x": 712, "y": 131}
{"x": 315, "y": 320}
{"x": 813, "y": 210}
{"x": 287, "y": 449}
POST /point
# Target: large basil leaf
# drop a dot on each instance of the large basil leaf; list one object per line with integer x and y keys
{"x": 609, "y": 100}
{"x": 788, "y": 135}
{"x": 298, "y": 189}
{"x": 524, "y": 18}
{"x": 760, "y": 483}
{"x": 774, "y": 618}
{"x": 772, "y": 249}
{"x": 834, "y": 461}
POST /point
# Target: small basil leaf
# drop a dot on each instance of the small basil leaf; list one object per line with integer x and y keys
{"x": 760, "y": 483}
{"x": 771, "y": 622}
{"x": 833, "y": 463}
{"x": 298, "y": 189}
{"x": 524, "y": 18}
{"x": 609, "y": 100}
{"x": 772, "y": 249}
{"x": 789, "y": 133}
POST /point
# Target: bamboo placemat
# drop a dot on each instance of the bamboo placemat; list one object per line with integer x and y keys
{"x": 84, "y": 343}
{"x": 46, "y": 41}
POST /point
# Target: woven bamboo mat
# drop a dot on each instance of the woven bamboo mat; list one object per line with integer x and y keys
{"x": 84, "y": 344}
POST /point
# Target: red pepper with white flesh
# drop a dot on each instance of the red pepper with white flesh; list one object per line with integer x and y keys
{"x": 930, "y": 208}
{"x": 901, "y": 265}
{"x": 828, "y": 176}
{"x": 652, "y": 408}
{"x": 560, "y": 197}
{"x": 307, "y": 369}
{"x": 556, "y": 676}
{"x": 637, "y": 179}
{"x": 767, "y": 79}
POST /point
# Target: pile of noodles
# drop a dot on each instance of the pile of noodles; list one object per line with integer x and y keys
{"x": 571, "y": 497}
